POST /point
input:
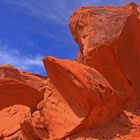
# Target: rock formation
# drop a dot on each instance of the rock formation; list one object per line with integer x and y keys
{"x": 10, "y": 119}
{"x": 35, "y": 81}
{"x": 95, "y": 96}
{"x": 20, "y": 92}
{"x": 88, "y": 96}
{"x": 109, "y": 42}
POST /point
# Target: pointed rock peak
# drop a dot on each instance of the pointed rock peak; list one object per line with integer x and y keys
{"x": 49, "y": 58}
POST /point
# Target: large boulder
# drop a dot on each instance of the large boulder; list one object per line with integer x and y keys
{"x": 82, "y": 98}
{"x": 109, "y": 42}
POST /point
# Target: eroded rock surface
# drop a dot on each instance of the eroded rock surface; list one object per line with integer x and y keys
{"x": 15, "y": 92}
{"x": 16, "y": 101}
{"x": 109, "y": 42}
{"x": 36, "y": 81}
{"x": 82, "y": 99}
{"x": 10, "y": 119}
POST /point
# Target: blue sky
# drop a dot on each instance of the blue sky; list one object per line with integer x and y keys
{"x": 33, "y": 29}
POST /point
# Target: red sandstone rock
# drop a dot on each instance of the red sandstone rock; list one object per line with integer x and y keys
{"x": 17, "y": 89}
{"x": 10, "y": 119}
{"x": 37, "y": 125}
{"x": 87, "y": 98}
{"x": 77, "y": 97}
{"x": 35, "y": 81}
{"x": 109, "y": 42}
{"x": 14, "y": 92}
{"x": 34, "y": 128}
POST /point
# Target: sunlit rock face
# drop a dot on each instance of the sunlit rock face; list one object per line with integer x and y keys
{"x": 33, "y": 80}
{"x": 10, "y": 119}
{"x": 109, "y": 42}
{"x": 15, "y": 92}
{"x": 20, "y": 92}
{"x": 77, "y": 97}
{"x": 90, "y": 98}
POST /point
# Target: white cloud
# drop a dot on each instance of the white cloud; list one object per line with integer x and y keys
{"x": 17, "y": 59}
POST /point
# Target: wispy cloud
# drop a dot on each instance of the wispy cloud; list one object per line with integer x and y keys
{"x": 43, "y": 9}
{"x": 57, "y": 10}
{"x": 48, "y": 13}
{"x": 46, "y": 10}
{"x": 15, "y": 58}
{"x": 52, "y": 19}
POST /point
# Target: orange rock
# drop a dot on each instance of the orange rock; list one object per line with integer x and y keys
{"x": 33, "y": 128}
{"x": 15, "y": 92}
{"x": 33, "y": 80}
{"x": 109, "y": 42}
{"x": 80, "y": 96}
{"x": 18, "y": 89}
{"x": 86, "y": 98}
{"x": 10, "y": 119}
